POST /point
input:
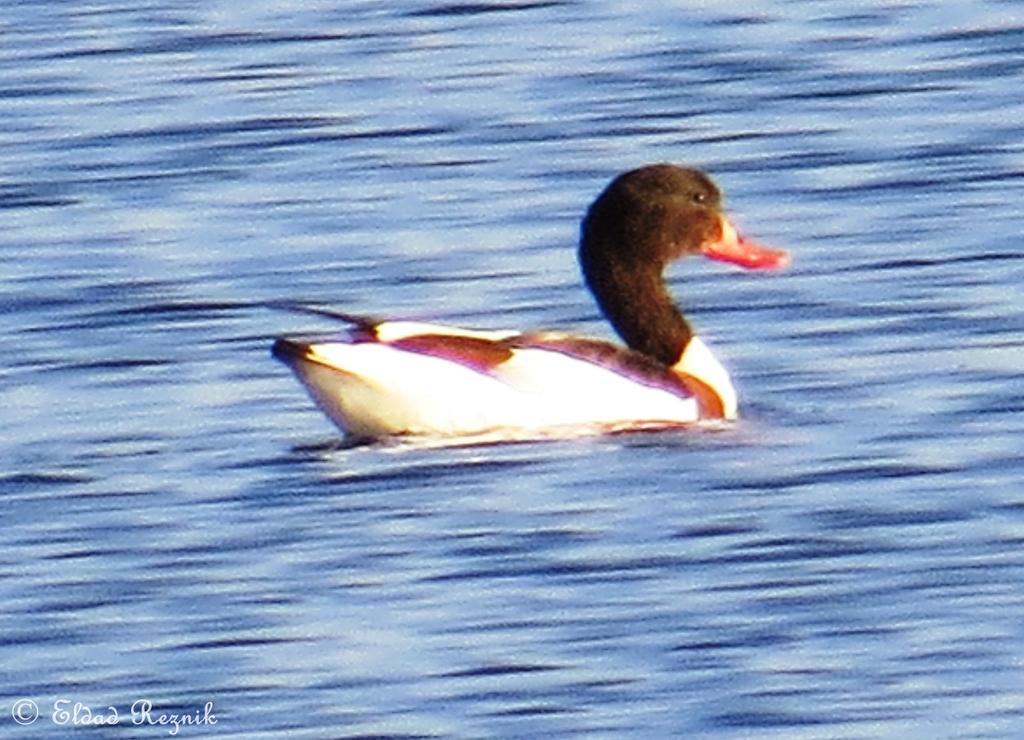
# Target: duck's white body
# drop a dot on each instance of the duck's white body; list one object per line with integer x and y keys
{"x": 379, "y": 387}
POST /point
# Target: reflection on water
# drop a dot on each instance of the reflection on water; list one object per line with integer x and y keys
{"x": 181, "y": 525}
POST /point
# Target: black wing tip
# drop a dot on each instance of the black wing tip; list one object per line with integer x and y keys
{"x": 289, "y": 351}
{"x": 364, "y": 323}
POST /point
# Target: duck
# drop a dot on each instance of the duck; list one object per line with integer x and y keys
{"x": 395, "y": 378}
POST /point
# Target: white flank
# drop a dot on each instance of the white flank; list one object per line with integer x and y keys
{"x": 565, "y": 390}
{"x": 699, "y": 362}
{"x": 373, "y": 390}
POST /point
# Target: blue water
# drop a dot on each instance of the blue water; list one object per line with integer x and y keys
{"x": 179, "y": 524}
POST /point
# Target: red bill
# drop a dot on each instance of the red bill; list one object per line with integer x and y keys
{"x": 733, "y": 248}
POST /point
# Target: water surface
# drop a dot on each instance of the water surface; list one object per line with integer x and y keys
{"x": 181, "y": 525}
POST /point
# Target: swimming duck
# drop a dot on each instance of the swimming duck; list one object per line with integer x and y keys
{"x": 388, "y": 378}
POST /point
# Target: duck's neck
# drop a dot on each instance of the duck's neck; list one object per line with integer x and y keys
{"x": 637, "y": 303}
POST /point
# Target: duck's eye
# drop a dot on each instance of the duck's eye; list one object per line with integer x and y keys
{"x": 700, "y": 198}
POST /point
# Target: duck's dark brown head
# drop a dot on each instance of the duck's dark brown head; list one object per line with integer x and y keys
{"x": 643, "y": 220}
{"x": 651, "y": 216}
